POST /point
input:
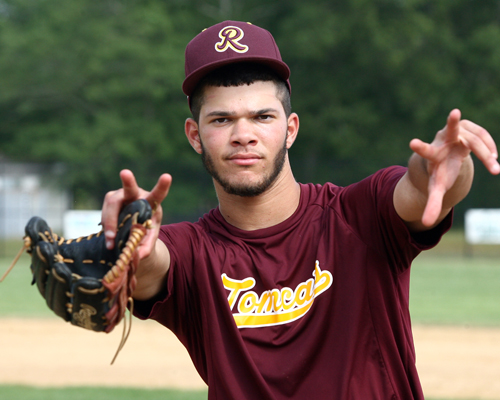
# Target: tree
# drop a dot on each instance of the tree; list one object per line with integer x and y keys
{"x": 95, "y": 85}
{"x": 371, "y": 75}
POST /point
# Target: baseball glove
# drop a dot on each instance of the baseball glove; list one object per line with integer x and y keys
{"x": 81, "y": 280}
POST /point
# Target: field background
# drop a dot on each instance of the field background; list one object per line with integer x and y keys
{"x": 455, "y": 303}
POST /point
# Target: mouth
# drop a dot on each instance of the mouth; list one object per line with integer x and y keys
{"x": 245, "y": 159}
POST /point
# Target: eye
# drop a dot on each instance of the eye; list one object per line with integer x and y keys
{"x": 264, "y": 117}
{"x": 220, "y": 120}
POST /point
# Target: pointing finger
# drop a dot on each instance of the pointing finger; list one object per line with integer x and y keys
{"x": 453, "y": 123}
{"x": 423, "y": 149}
{"x": 482, "y": 145}
{"x": 130, "y": 186}
{"x": 433, "y": 207}
{"x": 113, "y": 203}
{"x": 160, "y": 191}
{"x": 109, "y": 215}
{"x": 481, "y": 150}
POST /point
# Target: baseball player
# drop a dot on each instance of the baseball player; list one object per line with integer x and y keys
{"x": 289, "y": 290}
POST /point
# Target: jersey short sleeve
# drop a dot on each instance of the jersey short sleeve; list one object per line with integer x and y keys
{"x": 368, "y": 208}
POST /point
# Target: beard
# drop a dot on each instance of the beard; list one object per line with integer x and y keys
{"x": 242, "y": 189}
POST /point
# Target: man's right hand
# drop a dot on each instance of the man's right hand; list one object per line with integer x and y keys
{"x": 114, "y": 201}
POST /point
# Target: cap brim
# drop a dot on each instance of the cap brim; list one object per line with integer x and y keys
{"x": 194, "y": 78}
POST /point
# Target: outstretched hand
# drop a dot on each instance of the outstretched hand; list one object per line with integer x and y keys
{"x": 114, "y": 201}
{"x": 446, "y": 155}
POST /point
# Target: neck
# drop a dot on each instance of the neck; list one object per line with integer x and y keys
{"x": 270, "y": 208}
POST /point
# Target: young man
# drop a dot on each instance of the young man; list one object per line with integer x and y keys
{"x": 291, "y": 290}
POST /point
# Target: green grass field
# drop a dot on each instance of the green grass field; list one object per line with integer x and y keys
{"x": 446, "y": 288}
{"x": 449, "y": 288}
{"x": 17, "y": 297}
{"x": 86, "y": 393}
{"x": 455, "y": 291}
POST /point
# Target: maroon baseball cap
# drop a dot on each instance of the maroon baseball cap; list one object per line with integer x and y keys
{"x": 230, "y": 42}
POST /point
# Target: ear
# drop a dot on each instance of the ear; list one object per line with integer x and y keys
{"x": 192, "y": 133}
{"x": 293, "y": 129}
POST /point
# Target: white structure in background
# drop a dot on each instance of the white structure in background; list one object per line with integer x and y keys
{"x": 27, "y": 190}
{"x": 81, "y": 223}
{"x": 482, "y": 226}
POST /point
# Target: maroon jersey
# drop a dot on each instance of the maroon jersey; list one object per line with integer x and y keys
{"x": 315, "y": 307}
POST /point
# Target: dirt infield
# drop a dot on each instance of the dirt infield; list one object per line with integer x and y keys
{"x": 454, "y": 363}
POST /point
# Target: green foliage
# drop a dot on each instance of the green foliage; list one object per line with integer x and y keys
{"x": 95, "y": 85}
{"x": 370, "y": 75}
{"x": 8, "y": 392}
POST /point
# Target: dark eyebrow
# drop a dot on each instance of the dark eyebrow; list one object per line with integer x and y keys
{"x": 220, "y": 114}
{"x": 264, "y": 111}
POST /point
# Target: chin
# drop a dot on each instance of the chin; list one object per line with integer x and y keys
{"x": 244, "y": 190}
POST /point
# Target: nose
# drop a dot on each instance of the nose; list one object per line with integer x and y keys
{"x": 243, "y": 134}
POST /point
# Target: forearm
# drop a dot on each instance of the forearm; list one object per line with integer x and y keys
{"x": 152, "y": 272}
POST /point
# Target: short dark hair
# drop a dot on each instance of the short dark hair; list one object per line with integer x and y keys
{"x": 239, "y": 74}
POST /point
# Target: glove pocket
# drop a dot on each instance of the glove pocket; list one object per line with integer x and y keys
{"x": 88, "y": 304}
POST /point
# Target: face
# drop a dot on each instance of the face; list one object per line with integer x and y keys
{"x": 243, "y": 188}
{"x": 243, "y": 136}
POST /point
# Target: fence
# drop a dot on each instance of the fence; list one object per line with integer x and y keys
{"x": 26, "y": 190}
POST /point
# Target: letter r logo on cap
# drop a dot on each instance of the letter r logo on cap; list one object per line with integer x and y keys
{"x": 230, "y": 38}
